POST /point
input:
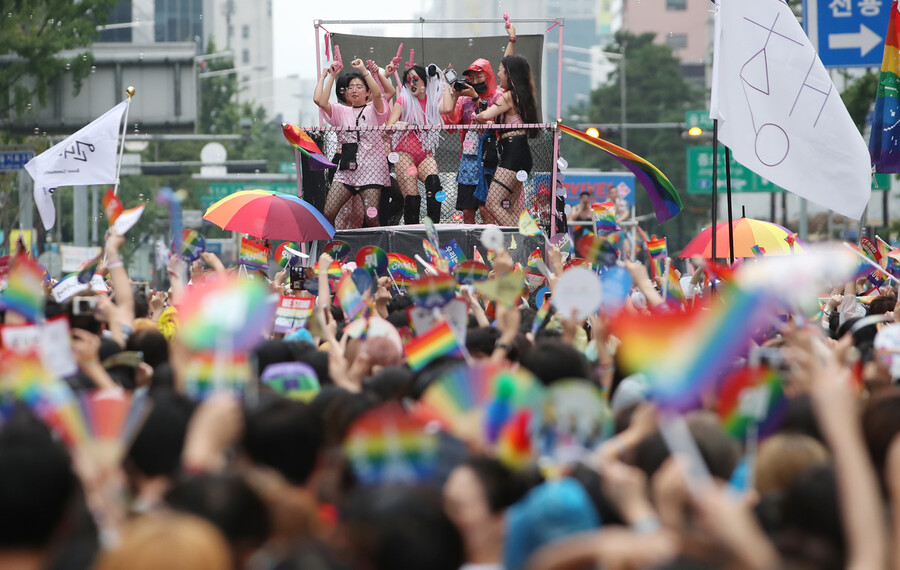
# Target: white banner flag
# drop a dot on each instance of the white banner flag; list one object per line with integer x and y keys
{"x": 86, "y": 157}
{"x": 779, "y": 111}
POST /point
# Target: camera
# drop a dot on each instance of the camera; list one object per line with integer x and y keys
{"x": 84, "y": 306}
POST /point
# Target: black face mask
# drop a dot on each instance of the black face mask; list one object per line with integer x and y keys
{"x": 479, "y": 87}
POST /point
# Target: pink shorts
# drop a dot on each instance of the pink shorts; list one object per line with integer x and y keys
{"x": 412, "y": 146}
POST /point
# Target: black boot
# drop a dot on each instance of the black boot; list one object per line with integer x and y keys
{"x": 411, "y": 205}
{"x": 432, "y": 206}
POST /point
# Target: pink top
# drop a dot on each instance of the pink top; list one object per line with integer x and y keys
{"x": 371, "y": 155}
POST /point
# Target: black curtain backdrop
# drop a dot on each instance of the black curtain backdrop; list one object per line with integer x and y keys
{"x": 460, "y": 52}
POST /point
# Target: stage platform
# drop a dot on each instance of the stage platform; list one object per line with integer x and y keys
{"x": 407, "y": 240}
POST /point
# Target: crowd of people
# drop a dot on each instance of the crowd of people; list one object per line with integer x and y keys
{"x": 491, "y": 160}
{"x": 259, "y": 478}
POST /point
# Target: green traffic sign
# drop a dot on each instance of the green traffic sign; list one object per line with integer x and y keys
{"x": 219, "y": 190}
{"x": 698, "y": 119}
{"x": 699, "y": 174}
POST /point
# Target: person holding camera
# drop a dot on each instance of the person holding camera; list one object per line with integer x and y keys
{"x": 478, "y": 160}
{"x": 423, "y": 98}
{"x": 362, "y": 170}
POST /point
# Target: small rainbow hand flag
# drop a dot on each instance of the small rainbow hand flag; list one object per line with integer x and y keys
{"x": 666, "y": 202}
{"x": 432, "y": 291}
{"x": 469, "y": 272}
{"x": 254, "y": 254}
{"x": 597, "y": 250}
{"x": 684, "y": 354}
{"x": 402, "y": 268}
{"x": 757, "y": 250}
{"x": 752, "y": 396}
{"x": 658, "y": 254}
{"x": 349, "y": 297}
{"x": 674, "y": 292}
{"x": 604, "y": 214}
{"x": 24, "y": 293}
{"x": 437, "y": 342}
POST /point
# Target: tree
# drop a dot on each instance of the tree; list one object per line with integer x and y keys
{"x": 656, "y": 93}
{"x": 218, "y": 113}
{"x": 37, "y": 31}
{"x": 859, "y": 96}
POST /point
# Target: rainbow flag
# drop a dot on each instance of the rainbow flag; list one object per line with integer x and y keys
{"x": 432, "y": 291}
{"x": 254, "y": 254}
{"x": 402, "y": 268}
{"x": 666, "y": 202}
{"x": 534, "y": 257}
{"x": 112, "y": 205}
{"x": 471, "y": 271}
{"x": 51, "y": 399}
{"x": 88, "y": 269}
{"x": 889, "y": 257}
{"x": 884, "y": 142}
{"x": 684, "y": 354}
{"x": 604, "y": 214}
{"x": 752, "y": 396}
{"x": 24, "y": 293}
{"x": 300, "y": 140}
{"x": 658, "y": 254}
{"x": 597, "y": 250}
{"x": 349, "y": 297}
{"x": 540, "y": 317}
{"x": 674, "y": 292}
{"x": 437, "y": 342}
{"x": 757, "y": 250}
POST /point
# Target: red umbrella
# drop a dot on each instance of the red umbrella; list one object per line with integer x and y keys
{"x": 270, "y": 215}
{"x": 747, "y": 233}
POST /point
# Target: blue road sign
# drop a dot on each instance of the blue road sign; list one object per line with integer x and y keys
{"x": 15, "y": 160}
{"x": 847, "y": 33}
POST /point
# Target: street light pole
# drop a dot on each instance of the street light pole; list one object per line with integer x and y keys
{"x": 623, "y": 96}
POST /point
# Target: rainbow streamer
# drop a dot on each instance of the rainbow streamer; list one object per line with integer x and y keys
{"x": 684, "y": 354}
{"x": 604, "y": 214}
{"x": 402, "y": 268}
{"x": 389, "y": 445}
{"x": 254, "y": 254}
{"x": 752, "y": 396}
{"x": 351, "y": 301}
{"x": 24, "y": 293}
{"x": 437, "y": 342}
{"x": 658, "y": 254}
{"x": 884, "y": 142}
{"x": 666, "y": 202}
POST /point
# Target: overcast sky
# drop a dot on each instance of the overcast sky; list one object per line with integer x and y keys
{"x": 295, "y": 40}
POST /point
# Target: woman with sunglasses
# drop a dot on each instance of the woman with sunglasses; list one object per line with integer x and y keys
{"x": 515, "y": 107}
{"x": 423, "y": 97}
{"x": 363, "y": 170}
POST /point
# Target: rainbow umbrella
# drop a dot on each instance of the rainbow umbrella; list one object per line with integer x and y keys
{"x": 747, "y": 233}
{"x": 270, "y": 215}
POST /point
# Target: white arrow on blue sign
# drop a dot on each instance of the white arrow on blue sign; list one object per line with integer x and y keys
{"x": 847, "y": 33}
